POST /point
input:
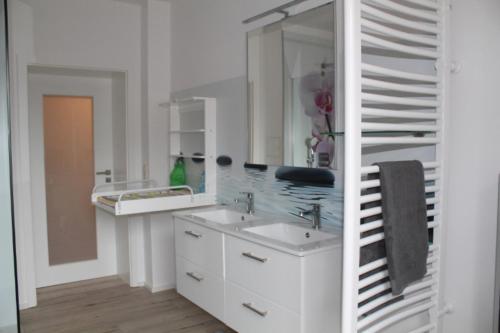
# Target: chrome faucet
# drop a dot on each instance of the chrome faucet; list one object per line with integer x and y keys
{"x": 249, "y": 200}
{"x": 315, "y": 212}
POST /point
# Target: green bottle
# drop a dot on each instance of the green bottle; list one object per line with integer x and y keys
{"x": 178, "y": 174}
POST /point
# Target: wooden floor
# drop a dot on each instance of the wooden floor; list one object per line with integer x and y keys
{"x": 110, "y": 306}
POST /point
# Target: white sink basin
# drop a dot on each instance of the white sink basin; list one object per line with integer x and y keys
{"x": 291, "y": 234}
{"x": 225, "y": 216}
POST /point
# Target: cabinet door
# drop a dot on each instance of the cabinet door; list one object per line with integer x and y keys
{"x": 267, "y": 272}
{"x": 200, "y": 245}
{"x": 247, "y": 312}
{"x": 200, "y": 287}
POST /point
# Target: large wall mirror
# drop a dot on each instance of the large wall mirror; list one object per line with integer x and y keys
{"x": 293, "y": 109}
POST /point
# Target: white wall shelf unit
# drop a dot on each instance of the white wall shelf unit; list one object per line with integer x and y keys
{"x": 192, "y": 137}
{"x": 395, "y": 81}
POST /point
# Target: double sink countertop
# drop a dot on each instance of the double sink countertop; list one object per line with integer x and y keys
{"x": 287, "y": 234}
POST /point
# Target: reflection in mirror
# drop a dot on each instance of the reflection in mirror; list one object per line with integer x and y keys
{"x": 291, "y": 91}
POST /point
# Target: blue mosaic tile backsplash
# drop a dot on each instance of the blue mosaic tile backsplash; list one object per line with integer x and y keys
{"x": 279, "y": 196}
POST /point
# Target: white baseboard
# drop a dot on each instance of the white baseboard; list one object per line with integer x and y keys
{"x": 138, "y": 285}
{"x": 161, "y": 287}
{"x": 26, "y": 305}
{"x": 125, "y": 277}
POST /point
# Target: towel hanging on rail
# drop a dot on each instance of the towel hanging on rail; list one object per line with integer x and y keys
{"x": 404, "y": 213}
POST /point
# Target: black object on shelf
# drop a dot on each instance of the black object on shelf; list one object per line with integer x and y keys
{"x": 224, "y": 160}
{"x": 260, "y": 167}
{"x": 198, "y": 160}
{"x": 306, "y": 176}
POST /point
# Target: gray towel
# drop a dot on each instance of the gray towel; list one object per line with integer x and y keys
{"x": 404, "y": 212}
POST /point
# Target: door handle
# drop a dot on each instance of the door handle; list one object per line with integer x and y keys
{"x": 104, "y": 173}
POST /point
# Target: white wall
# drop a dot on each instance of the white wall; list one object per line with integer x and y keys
{"x": 100, "y": 88}
{"x": 119, "y": 124}
{"x": 160, "y": 251}
{"x": 473, "y": 166}
{"x": 209, "y": 41}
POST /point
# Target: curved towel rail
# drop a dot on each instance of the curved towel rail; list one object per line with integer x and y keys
{"x": 395, "y": 87}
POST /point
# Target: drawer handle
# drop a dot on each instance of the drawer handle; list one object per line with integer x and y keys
{"x": 194, "y": 276}
{"x": 250, "y": 307}
{"x": 193, "y": 234}
{"x": 252, "y": 256}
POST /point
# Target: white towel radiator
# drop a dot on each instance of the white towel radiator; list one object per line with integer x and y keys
{"x": 395, "y": 98}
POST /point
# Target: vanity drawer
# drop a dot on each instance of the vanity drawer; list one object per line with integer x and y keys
{"x": 264, "y": 271}
{"x": 200, "y": 287}
{"x": 247, "y": 312}
{"x": 200, "y": 245}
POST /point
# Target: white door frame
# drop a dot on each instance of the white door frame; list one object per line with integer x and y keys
{"x": 22, "y": 183}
